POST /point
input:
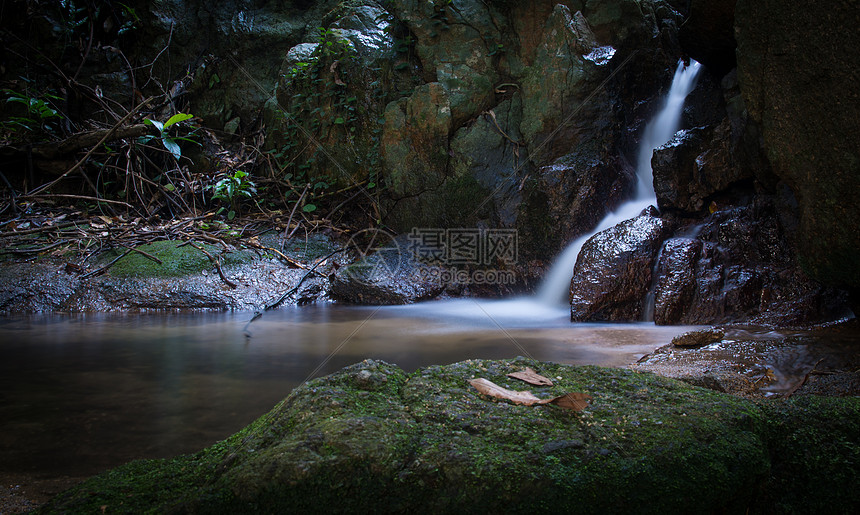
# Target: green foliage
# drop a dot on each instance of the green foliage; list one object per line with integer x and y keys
{"x": 169, "y": 142}
{"x": 322, "y": 109}
{"x": 233, "y": 188}
{"x": 40, "y": 118}
{"x": 71, "y": 19}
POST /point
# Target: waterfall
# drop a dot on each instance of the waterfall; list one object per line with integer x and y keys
{"x": 660, "y": 129}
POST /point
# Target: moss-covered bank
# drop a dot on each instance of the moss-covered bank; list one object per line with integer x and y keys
{"x": 373, "y": 438}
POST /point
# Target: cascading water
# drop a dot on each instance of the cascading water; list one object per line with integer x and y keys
{"x": 556, "y": 285}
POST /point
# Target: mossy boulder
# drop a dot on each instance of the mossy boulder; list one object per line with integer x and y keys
{"x": 177, "y": 260}
{"x": 375, "y": 438}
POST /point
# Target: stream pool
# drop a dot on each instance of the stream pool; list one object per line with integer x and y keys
{"x": 83, "y": 393}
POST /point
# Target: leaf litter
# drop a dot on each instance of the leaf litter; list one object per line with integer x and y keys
{"x": 575, "y": 401}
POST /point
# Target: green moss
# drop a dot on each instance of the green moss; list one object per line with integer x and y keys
{"x": 373, "y": 438}
{"x": 815, "y": 445}
{"x": 310, "y": 248}
{"x": 176, "y": 260}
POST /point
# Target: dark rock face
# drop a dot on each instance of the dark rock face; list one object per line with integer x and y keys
{"x": 526, "y": 80}
{"x": 360, "y": 284}
{"x": 707, "y": 33}
{"x": 613, "y": 272}
{"x": 798, "y": 74}
{"x": 693, "y": 166}
{"x": 580, "y": 189}
{"x": 740, "y": 267}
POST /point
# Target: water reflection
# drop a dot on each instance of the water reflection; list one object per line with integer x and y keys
{"x": 82, "y": 393}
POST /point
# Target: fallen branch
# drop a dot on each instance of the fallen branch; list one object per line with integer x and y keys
{"x": 107, "y": 136}
{"x": 215, "y": 261}
{"x": 104, "y": 268}
{"x": 80, "y": 197}
{"x": 282, "y": 298}
{"x": 802, "y": 382}
{"x": 33, "y": 251}
{"x": 37, "y": 229}
{"x": 145, "y": 254}
{"x": 85, "y": 140}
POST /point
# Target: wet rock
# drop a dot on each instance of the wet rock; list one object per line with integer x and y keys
{"x": 454, "y": 43}
{"x": 553, "y": 162}
{"x": 693, "y": 166}
{"x": 490, "y": 150}
{"x": 739, "y": 268}
{"x": 203, "y": 34}
{"x": 185, "y": 279}
{"x": 614, "y": 269}
{"x": 701, "y": 338}
{"x": 676, "y": 279}
{"x": 390, "y": 275}
{"x": 799, "y": 86}
{"x": 34, "y": 287}
{"x": 580, "y": 189}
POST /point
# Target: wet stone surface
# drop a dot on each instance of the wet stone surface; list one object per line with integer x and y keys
{"x": 762, "y": 363}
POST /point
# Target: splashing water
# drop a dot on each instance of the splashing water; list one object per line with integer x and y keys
{"x": 556, "y": 285}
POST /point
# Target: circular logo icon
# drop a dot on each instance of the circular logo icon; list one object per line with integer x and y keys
{"x": 379, "y": 256}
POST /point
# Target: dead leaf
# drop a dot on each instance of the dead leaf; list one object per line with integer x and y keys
{"x": 333, "y": 69}
{"x": 491, "y": 389}
{"x": 531, "y": 377}
{"x": 574, "y": 401}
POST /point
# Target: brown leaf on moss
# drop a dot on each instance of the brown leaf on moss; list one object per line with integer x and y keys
{"x": 491, "y": 389}
{"x": 531, "y": 377}
{"x": 573, "y": 400}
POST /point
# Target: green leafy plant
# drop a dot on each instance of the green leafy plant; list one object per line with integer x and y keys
{"x": 40, "y": 112}
{"x": 232, "y": 188}
{"x": 169, "y": 142}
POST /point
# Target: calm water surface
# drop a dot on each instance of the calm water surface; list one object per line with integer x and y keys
{"x": 82, "y": 393}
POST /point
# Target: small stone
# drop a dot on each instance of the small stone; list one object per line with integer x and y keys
{"x": 694, "y": 339}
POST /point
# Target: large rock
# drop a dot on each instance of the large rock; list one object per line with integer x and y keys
{"x": 694, "y": 165}
{"x": 676, "y": 279}
{"x": 799, "y": 83}
{"x": 390, "y": 272}
{"x": 221, "y": 43}
{"x": 372, "y": 438}
{"x": 739, "y": 267}
{"x": 614, "y": 270}
{"x": 580, "y": 189}
{"x": 456, "y": 42}
{"x": 554, "y": 160}
{"x": 491, "y": 152}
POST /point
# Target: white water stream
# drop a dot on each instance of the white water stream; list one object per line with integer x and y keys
{"x": 555, "y": 287}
